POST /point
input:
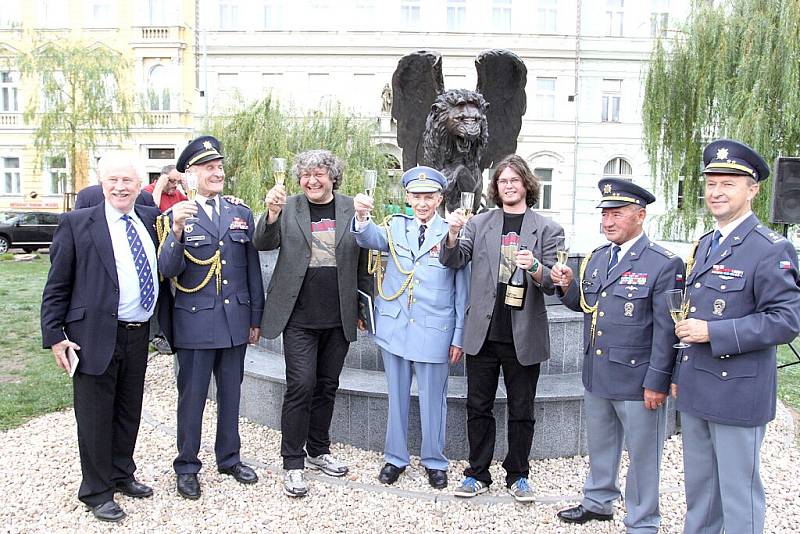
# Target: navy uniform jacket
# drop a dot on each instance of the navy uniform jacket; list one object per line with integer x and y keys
{"x": 748, "y": 292}
{"x": 634, "y": 334}
{"x": 207, "y": 319}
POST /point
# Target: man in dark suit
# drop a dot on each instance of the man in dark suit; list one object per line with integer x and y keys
{"x": 219, "y": 300}
{"x": 628, "y": 338}
{"x": 744, "y": 299}
{"x": 312, "y": 299}
{"x": 92, "y": 195}
{"x": 496, "y": 337}
{"x": 98, "y": 299}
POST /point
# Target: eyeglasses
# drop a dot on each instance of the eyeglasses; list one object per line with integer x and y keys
{"x": 319, "y": 175}
{"x": 513, "y": 181}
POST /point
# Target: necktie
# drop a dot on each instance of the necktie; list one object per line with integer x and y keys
{"x": 214, "y": 215}
{"x": 146, "y": 290}
{"x": 421, "y": 239}
{"x": 714, "y": 243}
{"x": 614, "y": 257}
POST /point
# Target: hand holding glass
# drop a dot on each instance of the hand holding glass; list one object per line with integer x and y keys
{"x": 279, "y": 170}
{"x": 562, "y": 254}
{"x": 467, "y": 203}
{"x": 678, "y": 309}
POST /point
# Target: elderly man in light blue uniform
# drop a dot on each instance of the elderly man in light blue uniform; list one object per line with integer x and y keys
{"x": 628, "y": 343}
{"x": 744, "y": 299}
{"x": 419, "y": 319}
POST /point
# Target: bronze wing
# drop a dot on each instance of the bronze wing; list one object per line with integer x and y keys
{"x": 502, "y": 77}
{"x": 416, "y": 83}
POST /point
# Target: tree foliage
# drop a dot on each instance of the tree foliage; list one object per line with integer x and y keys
{"x": 732, "y": 71}
{"x": 80, "y": 99}
{"x": 260, "y": 131}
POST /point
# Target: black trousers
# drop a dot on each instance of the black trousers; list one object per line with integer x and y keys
{"x": 314, "y": 360}
{"x": 194, "y": 374}
{"x": 483, "y": 371}
{"x": 108, "y": 409}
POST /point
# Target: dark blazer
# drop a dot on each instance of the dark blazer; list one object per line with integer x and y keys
{"x": 749, "y": 293}
{"x": 92, "y": 195}
{"x": 482, "y": 246}
{"x": 632, "y": 348}
{"x": 292, "y": 233}
{"x": 206, "y": 319}
{"x": 81, "y": 295}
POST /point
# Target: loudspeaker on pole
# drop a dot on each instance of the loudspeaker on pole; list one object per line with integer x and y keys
{"x": 785, "y": 202}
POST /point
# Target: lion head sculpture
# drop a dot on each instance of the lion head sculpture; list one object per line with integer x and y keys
{"x": 456, "y": 129}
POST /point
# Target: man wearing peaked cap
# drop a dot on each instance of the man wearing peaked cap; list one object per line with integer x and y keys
{"x": 744, "y": 299}
{"x": 419, "y": 319}
{"x": 219, "y": 301}
{"x": 628, "y": 356}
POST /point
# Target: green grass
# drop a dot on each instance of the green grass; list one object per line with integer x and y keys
{"x": 789, "y": 377}
{"x": 31, "y": 384}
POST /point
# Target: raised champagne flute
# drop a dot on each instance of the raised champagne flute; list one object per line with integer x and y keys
{"x": 279, "y": 170}
{"x": 370, "y": 181}
{"x": 562, "y": 253}
{"x": 191, "y": 192}
{"x": 679, "y": 310}
{"x": 467, "y": 203}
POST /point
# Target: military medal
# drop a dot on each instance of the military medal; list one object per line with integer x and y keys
{"x": 628, "y": 309}
{"x": 189, "y": 228}
{"x": 719, "y": 307}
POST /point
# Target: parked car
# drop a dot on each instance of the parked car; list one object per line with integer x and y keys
{"x": 28, "y": 230}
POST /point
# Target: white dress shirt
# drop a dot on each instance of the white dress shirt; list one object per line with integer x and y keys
{"x": 130, "y": 308}
{"x": 726, "y": 230}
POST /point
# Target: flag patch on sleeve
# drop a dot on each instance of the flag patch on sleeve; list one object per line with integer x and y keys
{"x": 784, "y": 264}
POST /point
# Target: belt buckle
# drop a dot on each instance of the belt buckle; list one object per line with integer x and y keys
{"x": 131, "y": 326}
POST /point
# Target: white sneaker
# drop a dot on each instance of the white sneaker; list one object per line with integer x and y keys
{"x": 327, "y": 464}
{"x": 521, "y": 490}
{"x": 294, "y": 483}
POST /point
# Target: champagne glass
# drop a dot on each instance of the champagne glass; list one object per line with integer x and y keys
{"x": 191, "y": 192}
{"x": 562, "y": 253}
{"x": 279, "y": 170}
{"x": 678, "y": 309}
{"x": 467, "y": 202}
{"x": 370, "y": 181}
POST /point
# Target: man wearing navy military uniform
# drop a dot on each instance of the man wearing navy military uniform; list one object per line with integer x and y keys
{"x": 419, "y": 319}
{"x": 628, "y": 361}
{"x": 744, "y": 299}
{"x": 219, "y": 301}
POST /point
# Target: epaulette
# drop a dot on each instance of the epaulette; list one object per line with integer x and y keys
{"x": 655, "y": 247}
{"x": 769, "y": 234}
{"x": 602, "y": 246}
{"x": 234, "y": 204}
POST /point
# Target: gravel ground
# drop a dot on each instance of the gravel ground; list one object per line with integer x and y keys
{"x": 40, "y": 474}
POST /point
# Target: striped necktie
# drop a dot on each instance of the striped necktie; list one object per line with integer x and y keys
{"x": 421, "y": 239}
{"x": 146, "y": 290}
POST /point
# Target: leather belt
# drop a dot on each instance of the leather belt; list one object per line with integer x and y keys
{"x": 130, "y": 326}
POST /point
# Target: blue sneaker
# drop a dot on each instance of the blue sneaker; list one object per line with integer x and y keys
{"x": 471, "y": 487}
{"x": 521, "y": 490}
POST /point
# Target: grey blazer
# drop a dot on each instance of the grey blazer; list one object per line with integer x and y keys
{"x": 482, "y": 247}
{"x": 292, "y": 234}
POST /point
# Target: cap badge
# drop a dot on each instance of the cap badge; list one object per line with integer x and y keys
{"x": 607, "y": 189}
{"x": 422, "y": 176}
{"x": 722, "y": 153}
{"x": 207, "y": 145}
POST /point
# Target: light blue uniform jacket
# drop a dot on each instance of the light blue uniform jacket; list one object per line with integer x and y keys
{"x": 425, "y": 330}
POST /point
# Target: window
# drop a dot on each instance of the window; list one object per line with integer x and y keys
{"x": 659, "y": 17}
{"x": 160, "y": 153}
{"x": 410, "y": 12}
{"x": 10, "y": 15}
{"x": 228, "y": 15}
{"x": 612, "y": 90}
{"x": 9, "y": 82}
{"x": 11, "y": 181}
{"x": 545, "y": 98}
{"x": 159, "y": 12}
{"x": 273, "y": 14}
{"x": 53, "y": 14}
{"x": 501, "y": 15}
{"x": 546, "y": 16}
{"x": 618, "y": 167}
{"x": 699, "y": 201}
{"x": 99, "y": 13}
{"x": 56, "y": 175}
{"x": 456, "y": 15}
{"x": 158, "y": 89}
{"x": 614, "y": 13}
{"x": 545, "y": 177}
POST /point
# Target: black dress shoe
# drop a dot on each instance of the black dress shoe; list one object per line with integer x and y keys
{"x": 579, "y": 514}
{"x": 109, "y": 511}
{"x": 390, "y": 473}
{"x": 134, "y": 488}
{"x": 437, "y": 478}
{"x": 242, "y": 473}
{"x": 189, "y": 486}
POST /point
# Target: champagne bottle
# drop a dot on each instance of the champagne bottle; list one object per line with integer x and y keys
{"x": 516, "y": 287}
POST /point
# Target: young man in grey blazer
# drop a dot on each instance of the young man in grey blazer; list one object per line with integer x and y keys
{"x": 495, "y": 337}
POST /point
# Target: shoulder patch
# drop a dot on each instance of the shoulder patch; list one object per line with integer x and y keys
{"x": 655, "y": 247}
{"x": 769, "y": 234}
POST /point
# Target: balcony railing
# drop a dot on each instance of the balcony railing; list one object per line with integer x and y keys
{"x": 159, "y": 34}
{"x": 164, "y": 118}
{"x": 10, "y": 120}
